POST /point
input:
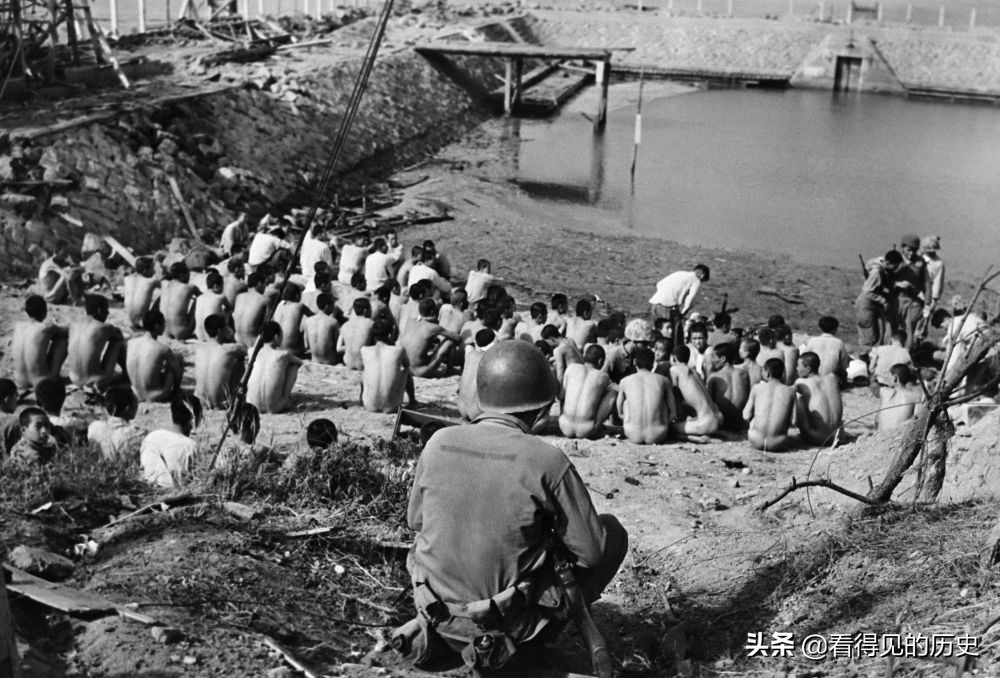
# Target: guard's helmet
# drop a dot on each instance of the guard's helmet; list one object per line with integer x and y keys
{"x": 514, "y": 376}
{"x": 639, "y": 330}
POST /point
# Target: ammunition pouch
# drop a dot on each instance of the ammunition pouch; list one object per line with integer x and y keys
{"x": 486, "y": 632}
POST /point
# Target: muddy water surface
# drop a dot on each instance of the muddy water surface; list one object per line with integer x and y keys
{"x": 814, "y": 176}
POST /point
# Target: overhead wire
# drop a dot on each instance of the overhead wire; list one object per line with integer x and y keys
{"x": 319, "y": 197}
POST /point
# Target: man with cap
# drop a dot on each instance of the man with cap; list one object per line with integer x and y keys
{"x": 871, "y": 305}
{"x": 911, "y": 286}
{"x": 490, "y": 504}
{"x": 618, "y": 362}
{"x": 674, "y": 296}
{"x": 929, "y": 246}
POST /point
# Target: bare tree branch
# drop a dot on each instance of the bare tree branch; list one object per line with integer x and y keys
{"x": 821, "y": 482}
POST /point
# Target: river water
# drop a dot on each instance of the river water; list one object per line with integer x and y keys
{"x": 807, "y": 174}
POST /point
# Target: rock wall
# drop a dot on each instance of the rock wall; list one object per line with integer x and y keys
{"x": 236, "y": 149}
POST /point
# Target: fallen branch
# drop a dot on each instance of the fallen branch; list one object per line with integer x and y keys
{"x": 822, "y": 482}
{"x": 145, "y": 523}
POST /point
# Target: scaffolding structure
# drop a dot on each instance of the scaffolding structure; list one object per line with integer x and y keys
{"x": 39, "y": 38}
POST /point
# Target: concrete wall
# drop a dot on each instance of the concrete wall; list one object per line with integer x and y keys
{"x": 920, "y": 58}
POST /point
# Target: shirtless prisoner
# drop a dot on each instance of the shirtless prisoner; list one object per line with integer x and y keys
{"x": 321, "y": 331}
{"x": 581, "y": 328}
{"x": 141, "y": 288}
{"x": 218, "y": 364}
{"x": 355, "y": 333}
{"x": 212, "y": 302}
{"x": 706, "y": 418}
{"x": 386, "y": 372}
{"x": 749, "y": 349}
{"x": 769, "y": 409}
{"x": 645, "y": 402}
{"x": 728, "y": 387}
{"x": 468, "y": 395}
{"x": 177, "y": 302}
{"x": 587, "y": 396}
{"x": 250, "y": 310}
{"x": 95, "y": 347}
{"x": 564, "y": 351}
{"x": 427, "y": 344}
{"x": 900, "y": 400}
{"x": 38, "y": 348}
{"x": 289, "y": 315}
{"x": 273, "y": 374}
{"x": 156, "y": 371}
{"x": 234, "y": 283}
{"x": 818, "y": 407}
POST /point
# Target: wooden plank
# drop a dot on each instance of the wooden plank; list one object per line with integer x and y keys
{"x": 54, "y": 595}
{"x": 124, "y": 252}
{"x": 509, "y": 49}
{"x": 184, "y": 208}
{"x": 66, "y": 599}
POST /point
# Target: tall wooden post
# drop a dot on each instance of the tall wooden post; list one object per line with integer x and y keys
{"x": 972, "y": 18}
{"x": 142, "y": 16}
{"x": 909, "y": 13}
{"x": 941, "y": 17}
{"x": 512, "y": 85}
{"x": 50, "y": 62}
{"x": 602, "y": 74}
{"x": 113, "y": 9}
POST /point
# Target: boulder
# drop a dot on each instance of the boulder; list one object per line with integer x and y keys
{"x": 41, "y": 563}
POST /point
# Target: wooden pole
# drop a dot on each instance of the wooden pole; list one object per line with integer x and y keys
{"x": 142, "y": 16}
{"x": 878, "y": 11}
{"x": 822, "y": 10}
{"x": 850, "y": 12}
{"x": 260, "y": 7}
{"x": 699, "y": 6}
{"x": 508, "y": 87}
{"x": 50, "y": 62}
{"x": 729, "y": 10}
{"x": 972, "y": 19}
{"x": 72, "y": 34}
{"x": 113, "y": 9}
{"x": 602, "y": 73}
{"x": 909, "y": 13}
{"x": 941, "y": 17}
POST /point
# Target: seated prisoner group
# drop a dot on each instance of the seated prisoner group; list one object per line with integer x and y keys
{"x": 674, "y": 376}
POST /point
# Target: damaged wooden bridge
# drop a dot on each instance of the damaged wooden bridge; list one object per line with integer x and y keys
{"x": 513, "y": 94}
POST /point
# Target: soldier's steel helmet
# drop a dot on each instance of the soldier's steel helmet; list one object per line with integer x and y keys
{"x": 514, "y": 376}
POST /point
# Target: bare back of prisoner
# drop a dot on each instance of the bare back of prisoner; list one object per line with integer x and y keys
{"x": 900, "y": 401}
{"x": 249, "y": 311}
{"x": 273, "y": 374}
{"x": 386, "y": 371}
{"x": 140, "y": 288}
{"x": 588, "y": 396}
{"x": 818, "y": 406}
{"x": 427, "y": 344}
{"x": 728, "y": 387}
{"x": 218, "y": 364}
{"x": 769, "y": 409}
{"x": 646, "y": 402}
{"x": 707, "y": 419}
{"x": 177, "y": 303}
{"x": 156, "y": 371}
{"x": 95, "y": 347}
{"x": 38, "y": 348}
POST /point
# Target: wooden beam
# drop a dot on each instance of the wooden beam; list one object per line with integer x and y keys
{"x": 523, "y": 50}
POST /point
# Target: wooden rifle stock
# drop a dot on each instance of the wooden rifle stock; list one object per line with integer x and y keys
{"x": 864, "y": 269}
{"x": 599, "y": 655}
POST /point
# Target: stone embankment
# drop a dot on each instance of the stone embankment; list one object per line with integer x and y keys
{"x": 264, "y": 141}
